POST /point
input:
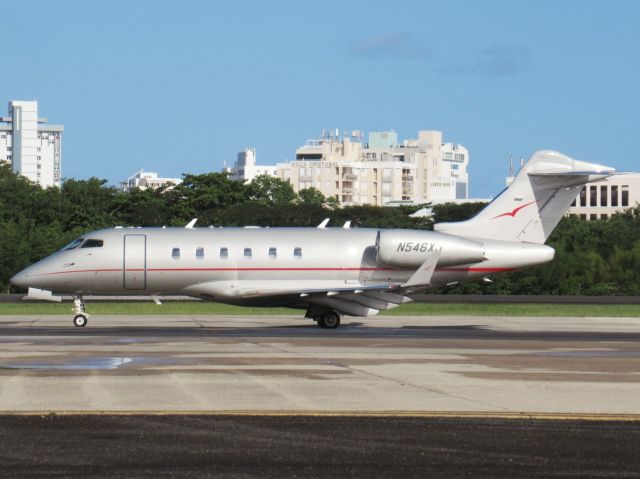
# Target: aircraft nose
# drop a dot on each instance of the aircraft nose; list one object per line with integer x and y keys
{"x": 21, "y": 279}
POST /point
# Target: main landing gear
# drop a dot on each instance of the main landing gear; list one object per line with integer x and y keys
{"x": 81, "y": 316}
{"x": 325, "y": 319}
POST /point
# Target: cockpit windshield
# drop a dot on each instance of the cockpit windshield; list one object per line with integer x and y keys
{"x": 92, "y": 243}
{"x": 73, "y": 244}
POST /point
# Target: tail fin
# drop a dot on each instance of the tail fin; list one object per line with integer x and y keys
{"x": 531, "y": 207}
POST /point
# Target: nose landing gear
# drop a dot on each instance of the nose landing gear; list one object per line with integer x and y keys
{"x": 81, "y": 316}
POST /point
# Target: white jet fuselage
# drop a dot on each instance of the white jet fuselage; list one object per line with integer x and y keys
{"x": 266, "y": 265}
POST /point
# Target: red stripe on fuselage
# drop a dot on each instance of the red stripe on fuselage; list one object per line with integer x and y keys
{"x": 157, "y": 270}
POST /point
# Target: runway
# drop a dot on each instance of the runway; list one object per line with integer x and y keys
{"x": 495, "y": 366}
{"x": 278, "y": 396}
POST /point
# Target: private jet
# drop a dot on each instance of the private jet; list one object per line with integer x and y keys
{"x": 327, "y": 271}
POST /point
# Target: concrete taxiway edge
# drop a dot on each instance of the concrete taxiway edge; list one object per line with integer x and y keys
{"x": 365, "y": 414}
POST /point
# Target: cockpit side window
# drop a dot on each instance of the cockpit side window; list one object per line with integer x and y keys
{"x": 92, "y": 243}
{"x": 73, "y": 244}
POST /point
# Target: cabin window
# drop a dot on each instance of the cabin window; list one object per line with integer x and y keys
{"x": 92, "y": 243}
{"x": 247, "y": 252}
{"x": 175, "y": 253}
{"x": 625, "y": 196}
{"x": 200, "y": 253}
{"x": 224, "y": 253}
{"x": 273, "y": 252}
{"x": 297, "y": 252}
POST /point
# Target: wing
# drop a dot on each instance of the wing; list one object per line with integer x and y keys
{"x": 352, "y": 298}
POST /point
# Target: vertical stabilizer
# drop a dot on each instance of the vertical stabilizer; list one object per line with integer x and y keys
{"x": 531, "y": 207}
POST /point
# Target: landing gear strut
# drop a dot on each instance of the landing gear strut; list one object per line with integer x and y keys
{"x": 325, "y": 319}
{"x": 81, "y": 316}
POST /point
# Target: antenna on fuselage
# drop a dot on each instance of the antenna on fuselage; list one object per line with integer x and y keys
{"x": 191, "y": 223}
{"x": 323, "y": 224}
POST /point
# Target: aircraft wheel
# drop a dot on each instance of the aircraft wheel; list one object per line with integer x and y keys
{"x": 80, "y": 321}
{"x": 329, "y": 321}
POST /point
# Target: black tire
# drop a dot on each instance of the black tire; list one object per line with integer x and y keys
{"x": 330, "y": 320}
{"x": 321, "y": 323}
{"x": 80, "y": 321}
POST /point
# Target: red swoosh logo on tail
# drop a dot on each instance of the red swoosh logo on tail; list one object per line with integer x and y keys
{"x": 513, "y": 212}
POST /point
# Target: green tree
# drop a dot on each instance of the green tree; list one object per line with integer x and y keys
{"x": 267, "y": 190}
{"x": 312, "y": 196}
{"x": 198, "y": 196}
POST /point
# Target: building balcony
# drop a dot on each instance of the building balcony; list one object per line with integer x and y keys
{"x": 349, "y": 177}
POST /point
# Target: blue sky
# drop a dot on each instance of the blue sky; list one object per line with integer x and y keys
{"x": 180, "y": 87}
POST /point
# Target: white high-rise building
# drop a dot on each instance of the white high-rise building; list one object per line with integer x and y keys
{"x": 245, "y": 168}
{"x": 33, "y": 147}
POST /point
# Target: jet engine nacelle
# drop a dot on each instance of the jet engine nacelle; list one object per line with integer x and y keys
{"x": 410, "y": 248}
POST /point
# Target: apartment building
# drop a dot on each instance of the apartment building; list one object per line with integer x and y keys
{"x": 381, "y": 171}
{"x": 31, "y": 145}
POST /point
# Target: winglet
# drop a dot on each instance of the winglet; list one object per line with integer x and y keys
{"x": 422, "y": 276}
{"x": 323, "y": 224}
{"x": 191, "y": 223}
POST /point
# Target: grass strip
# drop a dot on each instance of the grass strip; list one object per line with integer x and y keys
{"x": 411, "y": 309}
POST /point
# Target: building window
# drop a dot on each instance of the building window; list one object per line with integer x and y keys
{"x": 175, "y": 253}
{"x": 247, "y": 252}
{"x": 583, "y": 216}
{"x": 200, "y": 253}
{"x": 224, "y": 253}
{"x": 625, "y": 196}
{"x": 603, "y": 196}
{"x": 593, "y": 195}
{"x": 273, "y": 252}
{"x": 614, "y": 195}
{"x": 593, "y": 216}
{"x": 297, "y": 252}
{"x": 583, "y": 197}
